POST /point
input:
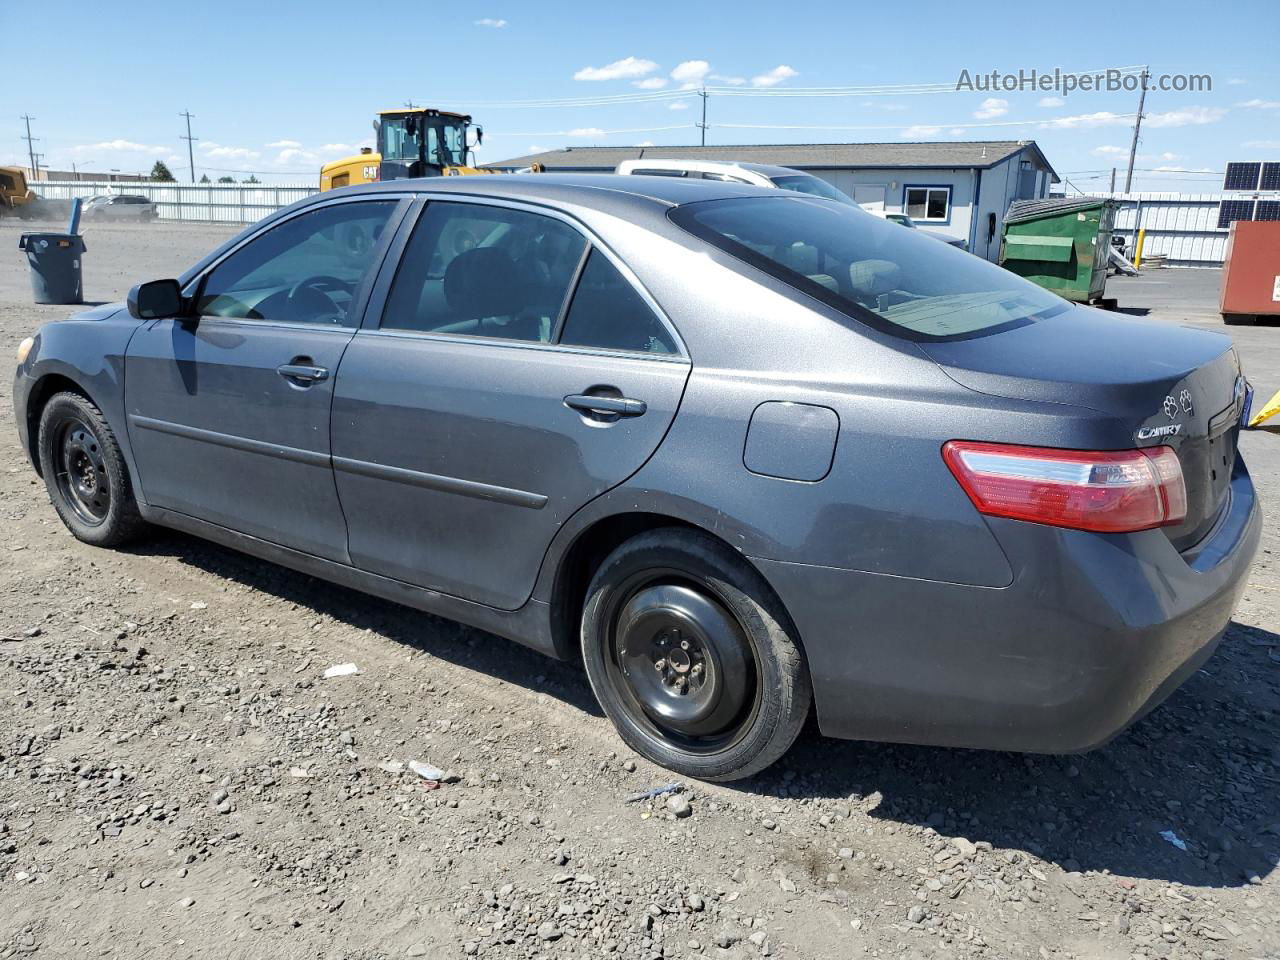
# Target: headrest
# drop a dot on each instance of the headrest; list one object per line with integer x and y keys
{"x": 481, "y": 282}
{"x": 874, "y": 277}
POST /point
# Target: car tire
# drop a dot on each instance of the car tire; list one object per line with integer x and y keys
{"x": 692, "y": 657}
{"x": 85, "y": 473}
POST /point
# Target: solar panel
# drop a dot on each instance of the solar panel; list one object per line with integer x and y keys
{"x": 1242, "y": 176}
{"x": 1268, "y": 210}
{"x": 1229, "y": 210}
{"x": 1271, "y": 176}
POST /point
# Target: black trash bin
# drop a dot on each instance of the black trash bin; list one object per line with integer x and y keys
{"x": 54, "y": 259}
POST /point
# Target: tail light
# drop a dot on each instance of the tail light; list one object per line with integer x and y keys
{"x": 1102, "y": 491}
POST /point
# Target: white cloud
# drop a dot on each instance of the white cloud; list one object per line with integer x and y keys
{"x": 1256, "y": 104}
{"x": 991, "y": 108}
{"x": 282, "y": 144}
{"x": 1112, "y": 152}
{"x": 650, "y": 83}
{"x": 691, "y": 73}
{"x": 585, "y": 132}
{"x": 119, "y": 146}
{"x": 1261, "y": 144}
{"x": 536, "y": 148}
{"x": 957, "y": 131}
{"x": 920, "y": 130}
{"x": 1050, "y": 102}
{"x": 728, "y": 81}
{"x": 216, "y": 151}
{"x": 1103, "y": 118}
{"x": 623, "y": 69}
{"x": 678, "y": 105}
{"x": 336, "y": 148}
{"x": 491, "y": 22}
{"x": 1186, "y": 117}
{"x": 1184, "y": 169}
{"x": 1107, "y": 150}
{"x": 774, "y": 77}
{"x": 1236, "y": 82}
{"x": 645, "y": 143}
{"x": 295, "y": 155}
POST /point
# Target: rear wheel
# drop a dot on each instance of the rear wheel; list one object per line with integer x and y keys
{"x": 85, "y": 473}
{"x": 692, "y": 658}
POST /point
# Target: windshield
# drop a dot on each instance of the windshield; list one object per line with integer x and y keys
{"x": 399, "y": 138}
{"x": 901, "y": 281}
{"x": 803, "y": 183}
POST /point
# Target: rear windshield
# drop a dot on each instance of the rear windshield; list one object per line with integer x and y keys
{"x": 902, "y": 281}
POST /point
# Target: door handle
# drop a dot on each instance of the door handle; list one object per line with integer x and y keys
{"x": 614, "y": 406}
{"x": 302, "y": 372}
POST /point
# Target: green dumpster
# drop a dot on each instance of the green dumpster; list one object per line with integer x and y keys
{"x": 1061, "y": 243}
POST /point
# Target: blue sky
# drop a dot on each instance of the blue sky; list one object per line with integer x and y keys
{"x": 280, "y": 88}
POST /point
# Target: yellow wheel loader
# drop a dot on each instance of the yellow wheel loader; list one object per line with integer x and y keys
{"x": 16, "y": 199}
{"x": 415, "y": 142}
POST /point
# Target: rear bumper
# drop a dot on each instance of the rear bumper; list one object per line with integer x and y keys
{"x": 1094, "y": 631}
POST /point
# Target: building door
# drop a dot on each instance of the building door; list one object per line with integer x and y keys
{"x": 870, "y": 196}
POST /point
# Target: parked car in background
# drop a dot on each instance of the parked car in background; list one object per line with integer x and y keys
{"x": 906, "y": 221}
{"x": 757, "y": 174}
{"x": 119, "y": 207}
{"x": 739, "y": 450}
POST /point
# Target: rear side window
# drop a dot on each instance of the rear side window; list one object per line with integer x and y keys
{"x": 608, "y": 312}
{"x": 484, "y": 271}
{"x": 900, "y": 281}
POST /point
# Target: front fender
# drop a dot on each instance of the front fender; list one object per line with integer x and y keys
{"x": 86, "y": 352}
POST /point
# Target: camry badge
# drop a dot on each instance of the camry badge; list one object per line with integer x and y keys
{"x": 1151, "y": 433}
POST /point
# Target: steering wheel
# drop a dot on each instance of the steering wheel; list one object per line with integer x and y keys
{"x": 309, "y": 297}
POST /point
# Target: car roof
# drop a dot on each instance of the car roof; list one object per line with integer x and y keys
{"x": 603, "y": 191}
{"x": 767, "y": 170}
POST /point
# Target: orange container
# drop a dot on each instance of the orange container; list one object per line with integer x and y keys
{"x": 1251, "y": 273}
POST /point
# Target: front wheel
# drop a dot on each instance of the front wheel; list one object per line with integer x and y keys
{"x": 692, "y": 658}
{"x": 85, "y": 472}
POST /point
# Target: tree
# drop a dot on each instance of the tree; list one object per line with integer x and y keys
{"x": 226, "y": 179}
{"x": 204, "y": 178}
{"x": 161, "y": 173}
{"x": 251, "y": 179}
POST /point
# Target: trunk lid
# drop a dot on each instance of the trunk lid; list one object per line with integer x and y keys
{"x": 1166, "y": 385}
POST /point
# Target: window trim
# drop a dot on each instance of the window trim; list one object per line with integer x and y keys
{"x": 944, "y": 221}
{"x": 193, "y": 289}
{"x": 376, "y": 307}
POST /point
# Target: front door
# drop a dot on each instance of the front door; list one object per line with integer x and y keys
{"x": 228, "y": 411}
{"x": 870, "y": 196}
{"x": 517, "y": 373}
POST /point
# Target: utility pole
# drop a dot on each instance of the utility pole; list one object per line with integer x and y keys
{"x": 1137, "y": 127}
{"x": 703, "y": 125}
{"x": 36, "y": 160}
{"x": 191, "y": 156}
{"x": 31, "y": 141}
{"x": 1113, "y": 179}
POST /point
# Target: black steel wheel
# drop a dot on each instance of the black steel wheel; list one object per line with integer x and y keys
{"x": 692, "y": 658}
{"x": 84, "y": 472}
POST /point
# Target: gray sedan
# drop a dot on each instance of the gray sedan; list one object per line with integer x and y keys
{"x": 743, "y": 452}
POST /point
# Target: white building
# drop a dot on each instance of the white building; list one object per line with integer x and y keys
{"x": 958, "y": 188}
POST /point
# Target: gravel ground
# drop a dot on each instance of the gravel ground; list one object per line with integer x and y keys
{"x": 178, "y": 778}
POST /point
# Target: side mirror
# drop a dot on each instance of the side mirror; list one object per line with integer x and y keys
{"x": 156, "y": 299}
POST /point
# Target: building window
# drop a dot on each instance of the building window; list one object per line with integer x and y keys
{"x": 929, "y": 204}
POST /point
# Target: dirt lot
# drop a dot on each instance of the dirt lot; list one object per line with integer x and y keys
{"x": 177, "y": 779}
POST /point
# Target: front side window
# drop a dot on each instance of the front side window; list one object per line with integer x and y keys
{"x": 608, "y": 312}
{"x": 928, "y": 203}
{"x": 901, "y": 281}
{"x": 484, "y": 271}
{"x": 305, "y": 270}
{"x": 400, "y": 138}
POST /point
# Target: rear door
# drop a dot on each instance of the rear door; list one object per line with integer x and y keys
{"x": 518, "y": 372}
{"x": 228, "y": 412}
